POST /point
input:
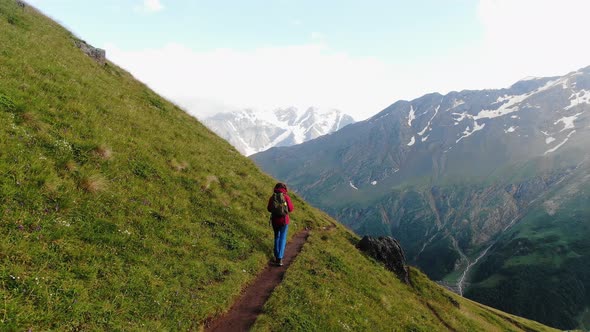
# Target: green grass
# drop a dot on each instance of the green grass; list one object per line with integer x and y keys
{"x": 539, "y": 268}
{"x": 333, "y": 287}
{"x": 118, "y": 209}
{"x": 121, "y": 212}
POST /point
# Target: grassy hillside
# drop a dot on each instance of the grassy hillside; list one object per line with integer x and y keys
{"x": 333, "y": 287}
{"x": 121, "y": 212}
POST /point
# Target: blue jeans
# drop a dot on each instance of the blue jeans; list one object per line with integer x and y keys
{"x": 280, "y": 240}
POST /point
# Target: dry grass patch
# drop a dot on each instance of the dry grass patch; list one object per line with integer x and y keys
{"x": 210, "y": 180}
{"x": 178, "y": 166}
{"x": 103, "y": 152}
{"x": 51, "y": 186}
{"x": 29, "y": 118}
{"x": 94, "y": 183}
{"x": 71, "y": 166}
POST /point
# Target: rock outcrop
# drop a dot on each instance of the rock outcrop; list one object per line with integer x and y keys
{"x": 387, "y": 250}
{"x": 98, "y": 54}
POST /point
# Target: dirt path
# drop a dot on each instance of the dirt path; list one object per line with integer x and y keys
{"x": 246, "y": 309}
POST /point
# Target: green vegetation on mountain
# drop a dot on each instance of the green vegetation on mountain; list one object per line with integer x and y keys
{"x": 544, "y": 259}
{"x": 333, "y": 287}
{"x": 121, "y": 212}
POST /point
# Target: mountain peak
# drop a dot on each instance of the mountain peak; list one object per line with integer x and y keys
{"x": 252, "y": 131}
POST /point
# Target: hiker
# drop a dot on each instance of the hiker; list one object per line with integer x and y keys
{"x": 280, "y": 205}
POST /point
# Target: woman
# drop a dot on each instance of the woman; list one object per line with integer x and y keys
{"x": 280, "y": 205}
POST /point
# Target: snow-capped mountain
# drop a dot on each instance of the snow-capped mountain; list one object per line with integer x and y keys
{"x": 253, "y": 131}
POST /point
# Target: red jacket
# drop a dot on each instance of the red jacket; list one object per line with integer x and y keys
{"x": 280, "y": 220}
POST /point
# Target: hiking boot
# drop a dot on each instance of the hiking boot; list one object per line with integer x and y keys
{"x": 279, "y": 262}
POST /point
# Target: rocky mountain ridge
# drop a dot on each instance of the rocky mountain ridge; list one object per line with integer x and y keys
{"x": 252, "y": 131}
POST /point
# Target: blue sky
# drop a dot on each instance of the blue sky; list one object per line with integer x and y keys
{"x": 363, "y": 28}
{"x": 358, "y": 56}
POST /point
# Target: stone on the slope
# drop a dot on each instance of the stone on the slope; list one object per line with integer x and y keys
{"x": 98, "y": 54}
{"x": 387, "y": 250}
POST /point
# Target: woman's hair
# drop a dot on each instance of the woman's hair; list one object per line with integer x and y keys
{"x": 280, "y": 185}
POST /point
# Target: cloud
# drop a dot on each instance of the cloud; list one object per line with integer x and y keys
{"x": 538, "y": 37}
{"x": 269, "y": 77}
{"x": 150, "y": 6}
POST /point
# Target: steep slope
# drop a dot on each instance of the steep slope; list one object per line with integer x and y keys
{"x": 447, "y": 175}
{"x": 550, "y": 247}
{"x": 252, "y": 131}
{"x": 122, "y": 212}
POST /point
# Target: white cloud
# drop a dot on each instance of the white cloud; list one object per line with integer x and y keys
{"x": 303, "y": 76}
{"x": 534, "y": 37}
{"x": 151, "y": 6}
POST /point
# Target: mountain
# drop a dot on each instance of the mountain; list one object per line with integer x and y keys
{"x": 122, "y": 212}
{"x": 451, "y": 175}
{"x": 252, "y": 131}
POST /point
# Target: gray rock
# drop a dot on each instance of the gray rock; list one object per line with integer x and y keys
{"x": 21, "y": 3}
{"x": 98, "y": 54}
{"x": 387, "y": 250}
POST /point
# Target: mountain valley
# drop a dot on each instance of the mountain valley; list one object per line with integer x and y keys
{"x": 463, "y": 178}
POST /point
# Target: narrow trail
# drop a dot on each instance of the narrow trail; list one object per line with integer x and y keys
{"x": 243, "y": 313}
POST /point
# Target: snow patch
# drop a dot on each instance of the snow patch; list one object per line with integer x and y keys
{"x": 411, "y": 116}
{"x": 512, "y": 102}
{"x": 457, "y": 102}
{"x": 510, "y": 130}
{"x": 549, "y": 139}
{"x": 568, "y": 121}
{"x": 560, "y": 144}
{"x": 461, "y": 116}
{"x": 412, "y": 141}
{"x": 425, "y": 138}
{"x": 564, "y": 83}
{"x": 468, "y": 132}
{"x": 353, "y": 186}
{"x": 581, "y": 97}
{"x": 530, "y": 78}
{"x": 374, "y": 183}
{"x": 429, "y": 121}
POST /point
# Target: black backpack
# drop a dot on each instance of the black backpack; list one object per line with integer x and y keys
{"x": 279, "y": 206}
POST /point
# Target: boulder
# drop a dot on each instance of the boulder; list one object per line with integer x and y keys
{"x": 98, "y": 54}
{"x": 388, "y": 251}
{"x": 21, "y": 3}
